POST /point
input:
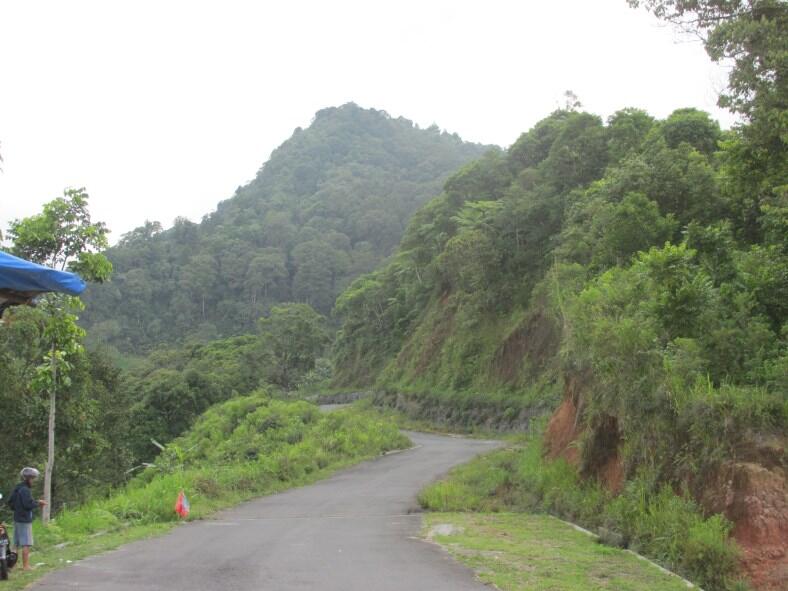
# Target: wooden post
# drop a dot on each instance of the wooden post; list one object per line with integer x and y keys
{"x": 46, "y": 511}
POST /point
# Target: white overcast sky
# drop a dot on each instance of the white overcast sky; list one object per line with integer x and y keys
{"x": 163, "y": 108}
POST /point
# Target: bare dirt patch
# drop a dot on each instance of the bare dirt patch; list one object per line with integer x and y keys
{"x": 752, "y": 492}
{"x": 755, "y": 498}
{"x": 562, "y": 432}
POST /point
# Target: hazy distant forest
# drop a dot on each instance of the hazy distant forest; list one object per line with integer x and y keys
{"x": 627, "y": 277}
{"x": 330, "y": 204}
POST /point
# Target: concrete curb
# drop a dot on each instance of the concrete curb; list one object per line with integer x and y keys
{"x": 689, "y": 584}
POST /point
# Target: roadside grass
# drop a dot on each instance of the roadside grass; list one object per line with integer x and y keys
{"x": 243, "y": 448}
{"x": 654, "y": 521}
{"x": 516, "y": 551}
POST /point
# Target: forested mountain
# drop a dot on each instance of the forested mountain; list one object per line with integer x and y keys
{"x": 628, "y": 275}
{"x": 330, "y": 204}
{"x": 571, "y": 202}
{"x": 632, "y": 274}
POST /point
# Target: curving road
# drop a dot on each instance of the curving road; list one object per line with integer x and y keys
{"x": 356, "y": 531}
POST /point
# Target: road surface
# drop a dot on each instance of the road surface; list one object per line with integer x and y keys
{"x": 355, "y": 531}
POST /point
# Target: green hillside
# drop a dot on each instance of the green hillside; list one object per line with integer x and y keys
{"x": 637, "y": 289}
{"x": 330, "y": 203}
{"x": 528, "y": 252}
{"x": 628, "y": 277}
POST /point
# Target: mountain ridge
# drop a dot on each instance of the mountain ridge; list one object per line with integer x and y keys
{"x": 330, "y": 203}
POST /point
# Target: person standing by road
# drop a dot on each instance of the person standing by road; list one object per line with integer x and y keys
{"x": 23, "y": 504}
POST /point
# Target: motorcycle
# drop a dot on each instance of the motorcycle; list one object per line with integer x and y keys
{"x": 7, "y": 556}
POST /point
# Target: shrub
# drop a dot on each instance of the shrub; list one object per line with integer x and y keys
{"x": 708, "y": 553}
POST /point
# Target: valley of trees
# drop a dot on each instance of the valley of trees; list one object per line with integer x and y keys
{"x": 330, "y": 204}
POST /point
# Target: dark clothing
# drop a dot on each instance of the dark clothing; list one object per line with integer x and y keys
{"x": 23, "y": 503}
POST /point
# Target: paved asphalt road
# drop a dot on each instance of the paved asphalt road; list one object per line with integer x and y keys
{"x": 356, "y": 531}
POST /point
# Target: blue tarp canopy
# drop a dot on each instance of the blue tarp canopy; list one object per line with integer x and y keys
{"x": 24, "y": 279}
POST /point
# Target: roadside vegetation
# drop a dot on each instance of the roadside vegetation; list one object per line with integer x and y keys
{"x": 110, "y": 420}
{"x": 520, "y": 552}
{"x": 667, "y": 527}
{"x": 246, "y": 447}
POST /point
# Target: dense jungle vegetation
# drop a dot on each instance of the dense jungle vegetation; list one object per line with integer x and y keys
{"x": 634, "y": 251}
{"x": 635, "y": 268}
{"x": 645, "y": 258}
{"x": 330, "y": 204}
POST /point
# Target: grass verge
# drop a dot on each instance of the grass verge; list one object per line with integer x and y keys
{"x": 243, "y": 448}
{"x": 516, "y": 551}
{"x": 654, "y": 521}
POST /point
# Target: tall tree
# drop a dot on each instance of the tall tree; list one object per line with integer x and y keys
{"x": 750, "y": 33}
{"x": 266, "y": 271}
{"x": 61, "y": 236}
{"x": 750, "y": 36}
{"x": 295, "y": 335}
